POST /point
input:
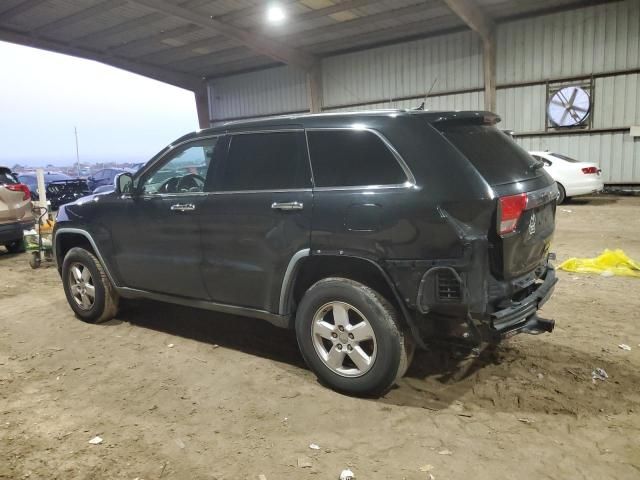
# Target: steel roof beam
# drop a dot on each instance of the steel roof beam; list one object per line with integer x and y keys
{"x": 258, "y": 43}
{"x": 179, "y": 79}
{"x": 473, "y": 16}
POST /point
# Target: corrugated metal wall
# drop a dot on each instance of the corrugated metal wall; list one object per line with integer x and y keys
{"x": 601, "y": 40}
{"x": 272, "y": 91}
{"x": 576, "y": 42}
{"x": 445, "y": 63}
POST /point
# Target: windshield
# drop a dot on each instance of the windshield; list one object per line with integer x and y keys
{"x": 494, "y": 154}
{"x": 565, "y": 158}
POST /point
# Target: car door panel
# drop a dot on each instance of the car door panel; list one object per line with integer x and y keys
{"x": 156, "y": 237}
{"x": 256, "y": 218}
{"x": 247, "y": 245}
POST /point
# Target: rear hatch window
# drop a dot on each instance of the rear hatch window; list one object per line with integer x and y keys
{"x": 493, "y": 153}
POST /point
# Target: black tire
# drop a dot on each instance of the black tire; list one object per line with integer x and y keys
{"x": 105, "y": 303}
{"x": 17, "y": 246}
{"x": 392, "y": 350}
{"x": 562, "y": 195}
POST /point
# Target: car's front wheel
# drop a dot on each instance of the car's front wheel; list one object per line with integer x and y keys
{"x": 87, "y": 287}
{"x": 351, "y": 337}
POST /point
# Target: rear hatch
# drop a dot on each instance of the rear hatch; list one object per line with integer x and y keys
{"x": 525, "y": 203}
{"x": 15, "y": 201}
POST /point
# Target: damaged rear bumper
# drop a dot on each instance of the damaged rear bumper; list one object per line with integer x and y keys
{"x": 521, "y": 316}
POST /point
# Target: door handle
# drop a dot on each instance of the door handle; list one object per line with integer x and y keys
{"x": 287, "y": 206}
{"x": 183, "y": 207}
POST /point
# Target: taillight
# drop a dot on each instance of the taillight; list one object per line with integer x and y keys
{"x": 510, "y": 210}
{"x": 590, "y": 170}
{"x": 20, "y": 187}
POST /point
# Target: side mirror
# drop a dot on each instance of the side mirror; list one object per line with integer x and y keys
{"x": 123, "y": 183}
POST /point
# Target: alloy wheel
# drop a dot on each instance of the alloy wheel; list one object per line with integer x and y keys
{"x": 81, "y": 285}
{"x": 344, "y": 339}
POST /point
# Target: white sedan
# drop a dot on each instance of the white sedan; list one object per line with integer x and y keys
{"x": 572, "y": 176}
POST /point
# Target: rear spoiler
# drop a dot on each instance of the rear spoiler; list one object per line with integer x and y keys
{"x": 467, "y": 118}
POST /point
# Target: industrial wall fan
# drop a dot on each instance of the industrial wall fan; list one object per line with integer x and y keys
{"x": 569, "y": 107}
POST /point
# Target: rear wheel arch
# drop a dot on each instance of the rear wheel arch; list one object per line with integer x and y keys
{"x": 311, "y": 269}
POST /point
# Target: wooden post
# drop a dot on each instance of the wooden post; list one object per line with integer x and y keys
{"x": 202, "y": 106}
{"x": 314, "y": 88}
{"x": 489, "y": 54}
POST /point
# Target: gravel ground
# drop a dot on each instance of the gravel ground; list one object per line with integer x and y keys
{"x": 185, "y": 394}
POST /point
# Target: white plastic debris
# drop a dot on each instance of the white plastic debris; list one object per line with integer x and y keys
{"x": 426, "y": 468}
{"x": 171, "y": 345}
{"x": 599, "y": 374}
{"x": 445, "y": 451}
{"x": 566, "y": 210}
{"x": 624, "y": 346}
{"x": 347, "y": 475}
{"x": 96, "y": 440}
{"x": 304, "y": 462}
{"x": 313, "y": 446}
{"x": 262, "y": 477}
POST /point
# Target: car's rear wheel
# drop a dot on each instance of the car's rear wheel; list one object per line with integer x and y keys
{"x": 16, "y": 246}
{"x": 562, "y": 194}
{"x": 87, "y": 287}
{"x": 351, "y": 337}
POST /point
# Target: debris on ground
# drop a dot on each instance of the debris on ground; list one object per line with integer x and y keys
{"x": 624, "y": 346}
{"x": 445, "y": 451}
{"x": 179, "y": 443}
{"x": 607, "y": 264}
{"x": 525, "y": 420}
{"x": 96, "y": 440}
{"x": 304, "y": 462}
{"x": 426, "y": 468}
{"x": 262, "y": 477}
{"x": 599, "y": 374}
{"x": 171, "y": 345}
{"x": 347, "y": 475}
{"x": 313, "y": 446}
{"x": 566, "y": 210}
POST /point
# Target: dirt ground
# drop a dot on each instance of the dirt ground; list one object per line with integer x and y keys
{"x": 177, "y": 393}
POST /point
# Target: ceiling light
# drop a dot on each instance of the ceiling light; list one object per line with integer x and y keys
{"x": 276, "y": 14}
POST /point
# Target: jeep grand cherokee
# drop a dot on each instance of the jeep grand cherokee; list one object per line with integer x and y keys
{"x": 370, "y": 233}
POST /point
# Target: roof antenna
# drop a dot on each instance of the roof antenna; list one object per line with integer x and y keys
{"x": 421, "y": 107}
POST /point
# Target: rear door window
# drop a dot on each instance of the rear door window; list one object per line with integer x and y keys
{"x": 266, "y": 161}
{"x": 494, "y": 154}
{"x": 352, "y": 158}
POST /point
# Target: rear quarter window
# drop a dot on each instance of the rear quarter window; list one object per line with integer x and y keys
{"x": 352, "y": 158}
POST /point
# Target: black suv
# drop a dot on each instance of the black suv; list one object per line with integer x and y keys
{"x": 369, "y": 233}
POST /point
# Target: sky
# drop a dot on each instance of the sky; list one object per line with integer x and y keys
{"x": 120, "y": 116}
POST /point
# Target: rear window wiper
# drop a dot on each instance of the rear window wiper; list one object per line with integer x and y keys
{"x": 536, "y": 166}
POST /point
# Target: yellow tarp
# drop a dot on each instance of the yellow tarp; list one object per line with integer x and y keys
{"x": 608, "y": 263}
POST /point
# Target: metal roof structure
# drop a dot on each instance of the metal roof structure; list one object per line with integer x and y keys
{"x": 184, "y": 42}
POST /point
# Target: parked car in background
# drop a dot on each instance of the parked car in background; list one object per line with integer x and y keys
{"x": 573, "y": 177}
{"x": 61, "y": 188}
{"x": 15, "y": 211}
{"x": 104, "y": 177}
{"x": 414, "y": 227}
